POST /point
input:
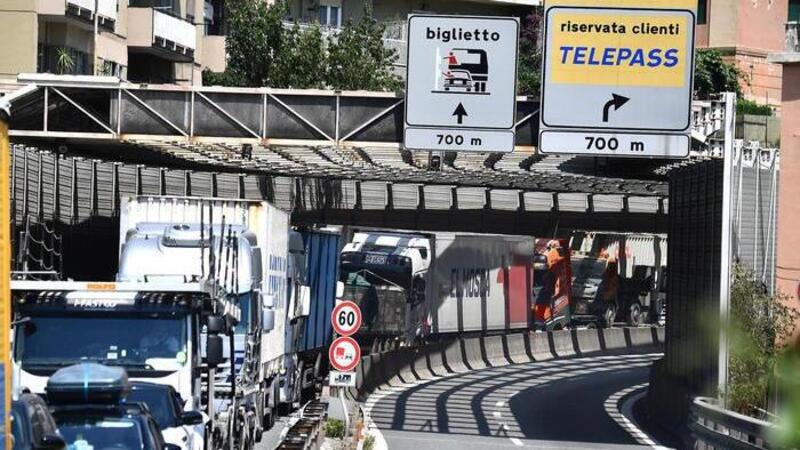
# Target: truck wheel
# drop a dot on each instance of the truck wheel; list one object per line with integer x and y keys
{"x": 609, "y": 315}
{"x": 635, "y": 315}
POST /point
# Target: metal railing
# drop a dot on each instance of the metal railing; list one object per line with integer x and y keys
{"x": 792, "y": 37}
{"x": 714, "y": 427}
{"x": 174, "y": 29}
{"x": 105, "y": 8}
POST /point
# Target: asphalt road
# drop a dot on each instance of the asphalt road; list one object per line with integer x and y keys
{"x": 563, "y": 404}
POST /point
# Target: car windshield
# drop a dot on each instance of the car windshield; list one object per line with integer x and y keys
{"x": 360, "y": 278}
{"x": 158, "y": 401}
{"x": 124, "y": 340}
{"x": 102, "y": 434}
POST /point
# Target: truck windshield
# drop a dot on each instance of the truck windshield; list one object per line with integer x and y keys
{"x": 357, "y": 277}
{"x": 126, "y": 341}
{"x": 118, "y": 433}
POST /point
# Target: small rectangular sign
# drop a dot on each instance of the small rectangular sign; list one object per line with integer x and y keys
{"x": 460, "y": 140}
{"x": 342, "y": 379}
{"x": 617, "y": 144}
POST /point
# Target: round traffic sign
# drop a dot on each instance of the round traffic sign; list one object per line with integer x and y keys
{"x": 344, "y": 354}
{"x": 346, "y": 318}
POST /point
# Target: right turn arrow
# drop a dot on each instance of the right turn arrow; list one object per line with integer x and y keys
{"x": 460, "y": 112}
{"x": 616, "y": 101}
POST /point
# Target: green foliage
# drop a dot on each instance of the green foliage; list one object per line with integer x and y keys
{"x": 358, "y": 59}
{"x": 744, "y": 106}
{"x": 255, "y": 35}
{"x": 713, "y": 75}
{"x": 759, "y": 322}
{"x": 300, "y": 62}
{"x": 530, "y": 55}
{"x": 334, "y": 428}
{"x": 262, "y": 51}
{"x": 65, "y": 63}
{"x": 789, "y": 392}
{"x": 369, "y": 442}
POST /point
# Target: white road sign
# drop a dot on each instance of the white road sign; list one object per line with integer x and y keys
{"x": 461, "y": 83}
{"x": 617, "y": 70}
{"x": 342, "y": 379}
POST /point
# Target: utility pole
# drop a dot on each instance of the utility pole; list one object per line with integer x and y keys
{"x": 95, "y": 58}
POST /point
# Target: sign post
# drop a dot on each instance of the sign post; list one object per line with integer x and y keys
{"x": 5, "y": 269}
{"x": 617, "y": 81}
{"x": 461, "y": 83}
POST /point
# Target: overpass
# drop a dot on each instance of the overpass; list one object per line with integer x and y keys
{"x": 334, "y": 157}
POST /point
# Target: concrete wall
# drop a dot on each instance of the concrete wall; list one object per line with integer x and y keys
{"x": 214, "y": 56}
{"x": 140, "y": 27}
{"x": 788, "y": 265}
{"x": 19, "y": 27}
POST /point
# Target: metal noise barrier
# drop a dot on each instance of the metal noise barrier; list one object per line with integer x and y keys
{"x": 399, "y": 366}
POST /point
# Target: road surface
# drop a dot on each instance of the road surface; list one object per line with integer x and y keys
{"x": 572, "y": 403}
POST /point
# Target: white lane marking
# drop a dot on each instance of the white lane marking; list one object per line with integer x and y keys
{"x": 499, "y": 404}
{"x": 611, "y": 406}
{"x": 497, "y": 414}
{"x": 516, "y": 442}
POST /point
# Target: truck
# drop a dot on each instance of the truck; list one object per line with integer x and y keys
{"x": 614, "y": 277}
{"x": 218, "y": 298}
{"x": 414, "y": 286}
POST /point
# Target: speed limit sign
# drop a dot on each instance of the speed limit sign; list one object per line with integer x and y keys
{"x": 346, "y": 318}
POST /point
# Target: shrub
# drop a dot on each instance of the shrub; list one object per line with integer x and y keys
{"x": 334, "y": 428}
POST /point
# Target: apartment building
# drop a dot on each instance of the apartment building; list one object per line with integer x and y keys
{"x": 148, "y": 41}
{"x": 787, "y": 271}
{"x": 745, "y": 32}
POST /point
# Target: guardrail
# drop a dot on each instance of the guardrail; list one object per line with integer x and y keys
{"x": 457, "y": 355}
{"x": 714, "y": 427}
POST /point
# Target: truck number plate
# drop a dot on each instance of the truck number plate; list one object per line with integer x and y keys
{"x": 375, "y": 259}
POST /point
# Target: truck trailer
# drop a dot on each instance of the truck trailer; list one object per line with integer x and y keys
{"x": 192, "y": 272}
{"x": 417, "y": 286}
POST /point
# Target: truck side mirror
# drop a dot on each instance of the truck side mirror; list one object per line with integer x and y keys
{"x": 339, "y": 289}
{"x": 216, "y": 324}
{"x": 304, "y": 301}
{"x": 191, "y": 418}
{"x": 213, "y": 350}
{"x": 267, "y": 301}
{"x": 267, "y": 319}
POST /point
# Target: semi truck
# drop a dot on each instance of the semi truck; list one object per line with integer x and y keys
{"x": 614, "y": 278}
{"x": 417, "y": 286}
{"x": 192, "y": 274}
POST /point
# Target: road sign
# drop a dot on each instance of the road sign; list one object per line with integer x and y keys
{"x": 342, "y": 379}
{"x": 461, "y": 83}
{"x": 344, "y": 354}
{"x": 346, "y": 318}
{"x": 618, "y": 76}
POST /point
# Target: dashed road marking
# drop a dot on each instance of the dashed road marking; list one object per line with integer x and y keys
{"x": 516, "y": 442}
{"x": 611, "y": 406}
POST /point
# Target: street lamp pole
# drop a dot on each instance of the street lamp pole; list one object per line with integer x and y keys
{"x": 95, "y": 59}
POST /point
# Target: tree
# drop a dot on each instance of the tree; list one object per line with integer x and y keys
{"x": 713, "y": 75}
{"x": 358, "y": 59}
{"x": 530, "y": 55}
{"x": 760, "y": 324}
{"x": 300, "y": 62}
{"x": 255, "y": 33}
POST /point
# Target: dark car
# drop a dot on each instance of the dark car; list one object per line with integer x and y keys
{"x": 33, "y": 426}
{"x": 179, "y": 427}
{"x": 88, "y": 402}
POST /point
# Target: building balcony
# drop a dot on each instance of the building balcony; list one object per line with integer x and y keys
{"x": 162, "y": 34}
{"x": 81, "y": 12}
{"x": 791, "y": 49}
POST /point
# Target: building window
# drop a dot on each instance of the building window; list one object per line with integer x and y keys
{"x": 702, "y": 12}
{"x": 794, "y": 10}
{"x": 62, "y": 60}
{"x": 330, "y": 15}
